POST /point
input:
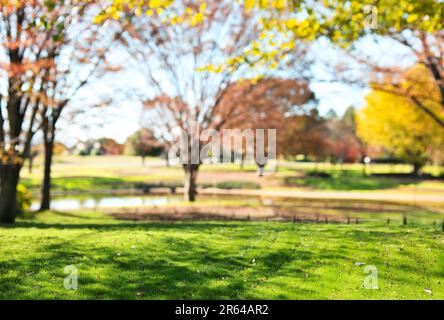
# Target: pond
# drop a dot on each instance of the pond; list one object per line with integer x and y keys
{"x": 110, "y": 201}
{"x": 272, "y": 207}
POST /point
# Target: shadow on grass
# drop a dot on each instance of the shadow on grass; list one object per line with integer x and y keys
{"x": 193, "y": 260}
{"x": 125, "y": 225}
{"x": 174, "y": 267}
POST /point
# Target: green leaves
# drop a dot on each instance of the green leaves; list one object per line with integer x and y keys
{"x": 50, "y": 5}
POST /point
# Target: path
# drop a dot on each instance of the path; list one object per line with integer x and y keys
{"x": 334, "y": 195}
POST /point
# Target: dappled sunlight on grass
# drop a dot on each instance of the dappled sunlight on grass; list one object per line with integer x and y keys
{"x": 227, "y": 260}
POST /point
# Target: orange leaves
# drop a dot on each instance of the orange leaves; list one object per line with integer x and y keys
{"x": 246, "y": 102}
{"x": 165, "y": 102}
{"x": 27, "y": 68}
{"x": 8, "y": 156}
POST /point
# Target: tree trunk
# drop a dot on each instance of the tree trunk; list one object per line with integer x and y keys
{"x": 190, "y": 181}
{"x": 9, "y": 177}
{"x": 167, "y": 161}
{"x": 30, "y": 164}
{"x": 143, "y": 161}
{"x": 242, "y": 162}
{"x": 417, "y": 169}
{"x": 45, "y": 195}
{"x": 260, "y": 169}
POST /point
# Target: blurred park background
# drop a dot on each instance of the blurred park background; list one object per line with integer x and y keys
{"x": 92, "y": 96}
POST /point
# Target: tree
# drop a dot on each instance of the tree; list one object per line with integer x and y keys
{"x": 23, "y": 66}
{"x": 264, "y": 104}
{"x": 388, "y": 120}
{"x": 305, "y": 134}
{"x": 31, "y": 156}
{"x": 349, "y": 122}
{"x": 110, "y": 146}
{"x": 78, "y": 52}
{"x": 178, "y": 95}
{"x": 143, "y": 143}
{"x": 343, "y": 145}
{"x": 416, "y": 26}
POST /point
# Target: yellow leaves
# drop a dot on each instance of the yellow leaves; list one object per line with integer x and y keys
{"x": 279, "y": 4}
{"x": 153, "y": 4}
{"x": 304, "y": 24}
{"x": 176, "y": 20}
{"x": 256, "y": 79}
{"x": 249, "y": 4}
{"x": 273, "y": 65}
{"x": 111, "y": 12}
{"x": 273, "y": 54}
{"x": 99, "y": 19}
{"x": 203, "y": 7}
{"x": 391, "y": 120}
{"x": 119, "y": 7}
{"x": 161, "y": 8}
{"x": 288, "y": 45}
{"x": 412, "y": 18}
{"x": 196, "y": 19}
{"x": 291, "y": 23}
{"x": 336, "y": 35}
{"x": 211, "y": 68}
{"x": 355, "y": 6}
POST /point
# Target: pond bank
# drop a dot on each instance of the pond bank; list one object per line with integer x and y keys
{"x": 398, "y": 196}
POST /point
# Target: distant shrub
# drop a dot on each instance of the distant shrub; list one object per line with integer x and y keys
{"x": 237, "y": 185}
{"x": 206, "y": 185}
{"x": 319, "y": 174}
{"x": 23, "y": 198}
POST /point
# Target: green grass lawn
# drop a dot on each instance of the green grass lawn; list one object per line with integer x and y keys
{"x": 223, "y": 260}
{"x": 351, "y": 181}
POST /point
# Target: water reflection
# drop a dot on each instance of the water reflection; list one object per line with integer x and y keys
{"x": 107, "y": 202}
{"x": 341, "y": 210}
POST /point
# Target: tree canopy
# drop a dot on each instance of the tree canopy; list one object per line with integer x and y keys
{"x": 388, "y": 120}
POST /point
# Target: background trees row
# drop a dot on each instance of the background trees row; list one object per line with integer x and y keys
{"x": 194, "y": 57}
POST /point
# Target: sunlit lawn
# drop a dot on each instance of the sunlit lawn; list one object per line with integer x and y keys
{"x": 209, "y": 260}
{"x": 351, "y": 181}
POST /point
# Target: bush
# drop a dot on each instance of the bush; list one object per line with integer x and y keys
{"x": 23, "y": 198}
{"x": 318, "y": 174}
{"x": 237, "y": 185}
